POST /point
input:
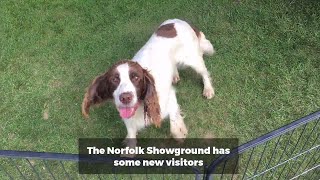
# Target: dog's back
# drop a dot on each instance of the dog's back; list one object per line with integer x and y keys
{"x": 174, "y": 42}
{"x": 175, "y": 38}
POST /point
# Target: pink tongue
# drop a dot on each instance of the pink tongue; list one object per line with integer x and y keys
{"x": 126, "y": 112}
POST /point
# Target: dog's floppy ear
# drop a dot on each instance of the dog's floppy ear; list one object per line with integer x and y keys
{"x": 151, "y": 102}
{"x": 97, "y": 93}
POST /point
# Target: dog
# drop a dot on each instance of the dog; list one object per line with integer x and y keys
{"x": 142, "y": 88}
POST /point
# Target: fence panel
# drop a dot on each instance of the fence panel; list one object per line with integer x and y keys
{"x": 42, "y": 165}
{"x": 290, "y": 152}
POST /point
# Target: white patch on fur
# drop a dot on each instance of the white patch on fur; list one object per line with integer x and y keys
{"x": 124, "y": 86}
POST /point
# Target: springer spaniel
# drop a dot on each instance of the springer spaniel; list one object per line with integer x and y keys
{"x": 142, "y": 88}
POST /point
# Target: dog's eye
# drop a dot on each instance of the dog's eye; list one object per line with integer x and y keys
{"x": 115, "y": 79}
{"x": 134, "y": 77}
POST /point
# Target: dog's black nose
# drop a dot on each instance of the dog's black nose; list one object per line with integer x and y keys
{"x": 126, "y": 97}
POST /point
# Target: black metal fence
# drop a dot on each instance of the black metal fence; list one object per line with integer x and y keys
{"x": 290, "y": 152}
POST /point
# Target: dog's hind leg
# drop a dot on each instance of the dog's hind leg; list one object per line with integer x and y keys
{"x": 196, "y": 62}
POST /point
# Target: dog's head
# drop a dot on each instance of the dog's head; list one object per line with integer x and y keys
{"x": 129, "y": 85}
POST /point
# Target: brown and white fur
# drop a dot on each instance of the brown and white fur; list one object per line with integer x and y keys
{"x": 142, "y": 89}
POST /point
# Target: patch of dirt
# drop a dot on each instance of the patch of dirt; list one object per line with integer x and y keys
{"x": 32, "y": 162}
{"x": 56, "y": 84}
{"x": 46, "y": 112}
{"x": 208, "y": 135}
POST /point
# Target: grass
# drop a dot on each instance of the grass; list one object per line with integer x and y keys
{"x": 265, "y": 71}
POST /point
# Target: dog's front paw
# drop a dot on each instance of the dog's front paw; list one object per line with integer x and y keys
{"x": 208, "y": 92}
{"x": 176, "y": 79}
{"x": 179, "y": 133}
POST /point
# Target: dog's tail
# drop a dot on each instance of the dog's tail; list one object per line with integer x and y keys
{"x": 205, "y": 45}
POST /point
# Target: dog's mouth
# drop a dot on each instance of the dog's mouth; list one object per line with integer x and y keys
{"x": 128, "y": 112}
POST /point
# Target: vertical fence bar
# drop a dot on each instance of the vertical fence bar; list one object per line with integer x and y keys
{"x": 235, "y": 167}
{"x": 316, "y": 167}
{"x": 294, "y": 149}
{"x": 33, "y": 169}
{"x": 284, "y": 151}
{"x": 285, "y": 148}
{"x": 311, "y": 160}
{"x": 308, "y": 153}
{"x": 64, "y": 169}
{"x": 224, "y": 166}
{"x": 305, "y": 156}
{"x": 264, "y": 149}
{"x": 198, "y": 176}
{"x": 305, "y": 172}
{"x": 12, "y": 161}
{"x": 317, "y": 158}
{"x": 273, "y": 153}
{"x": 245, "y": 172}
{"x": 309, "y": 136}
{"x": 45, "y": 164}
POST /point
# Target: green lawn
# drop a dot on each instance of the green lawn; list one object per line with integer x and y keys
{"x": 266, "y": 71}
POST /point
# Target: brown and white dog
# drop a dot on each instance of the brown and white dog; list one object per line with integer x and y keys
{"x": 142, "y": 89}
